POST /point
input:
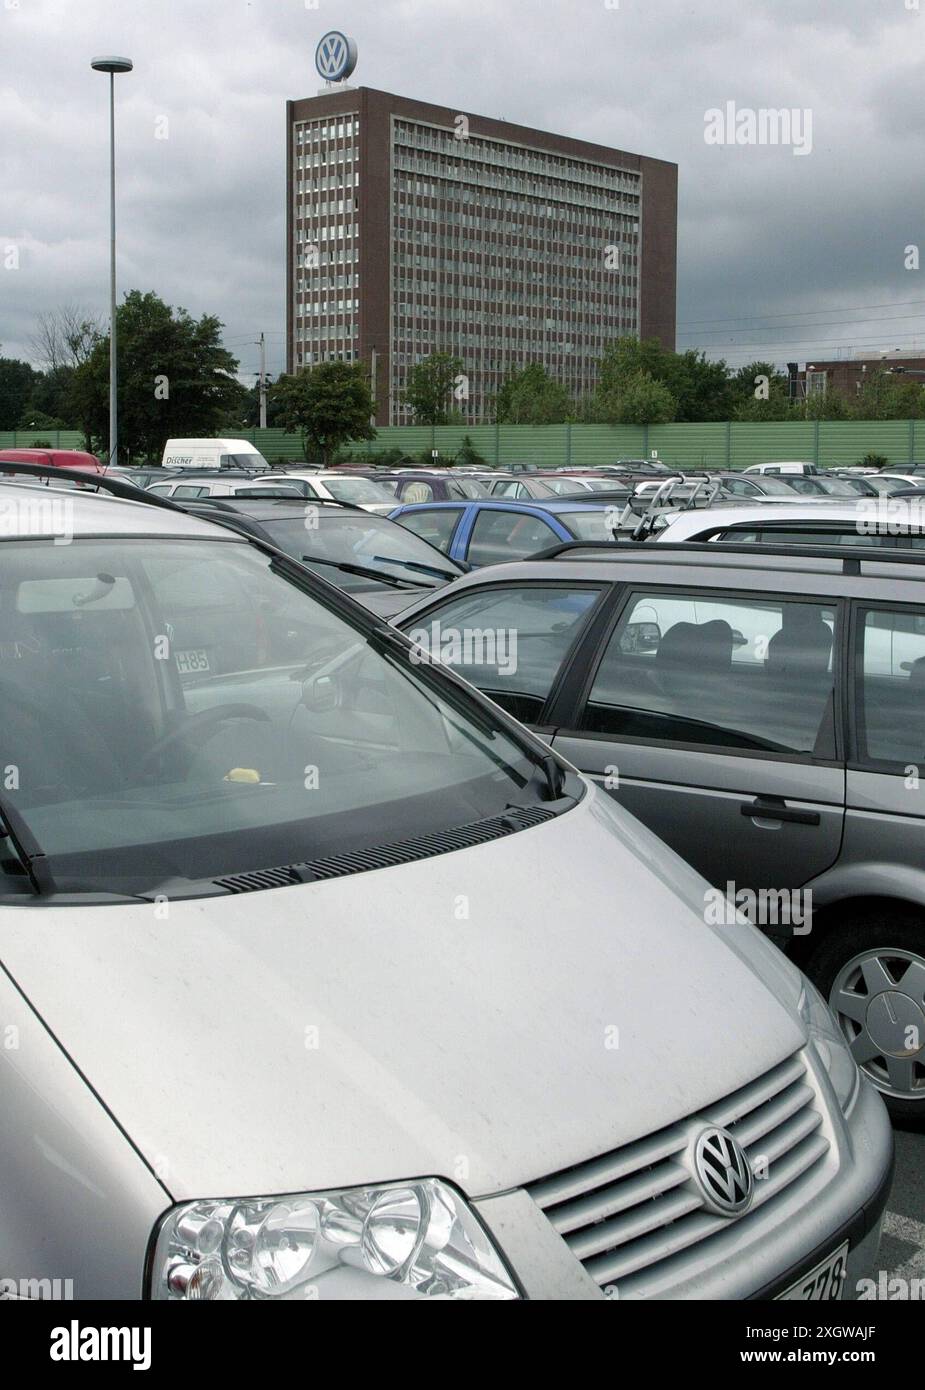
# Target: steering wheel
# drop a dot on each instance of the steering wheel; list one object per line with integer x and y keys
{"x": 194, "y": 723}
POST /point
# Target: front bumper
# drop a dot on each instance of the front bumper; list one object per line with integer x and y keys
{"x": 755, "y": 1261}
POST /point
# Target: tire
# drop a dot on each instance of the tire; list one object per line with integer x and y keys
{"x": 880, "y": 954}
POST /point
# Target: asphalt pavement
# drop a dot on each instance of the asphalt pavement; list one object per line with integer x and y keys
{"x": 902, "y": 1249}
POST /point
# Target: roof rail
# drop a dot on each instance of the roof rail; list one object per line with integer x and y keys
{"x": 851, "y": 557}
{"x": 128, "y": 491}
{"x": 225, "y": 502}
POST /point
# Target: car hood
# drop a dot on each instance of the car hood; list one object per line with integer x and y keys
{"x": 386, "y": 602}
{"x": 490, "y": 1015}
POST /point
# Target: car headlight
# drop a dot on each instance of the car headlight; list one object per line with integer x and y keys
{"x": 416, "y": 1239}
{"x": 829, "y": 1045}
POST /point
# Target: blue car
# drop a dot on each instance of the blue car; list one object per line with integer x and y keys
{"x": 486, "y": 532}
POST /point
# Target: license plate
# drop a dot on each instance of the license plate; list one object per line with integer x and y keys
{"x": 188, "y": 663}
{"x": 824, "y": 1282}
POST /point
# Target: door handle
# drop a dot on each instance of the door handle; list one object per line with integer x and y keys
{"x": 764, "y": 809}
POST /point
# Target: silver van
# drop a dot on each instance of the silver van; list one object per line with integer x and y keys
{"x": 321, "y": 977}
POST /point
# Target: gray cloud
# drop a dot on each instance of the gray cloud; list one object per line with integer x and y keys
{"x": 202, "y": 216}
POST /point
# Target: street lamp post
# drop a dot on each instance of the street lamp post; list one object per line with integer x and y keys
{"x": 112, "y": 66}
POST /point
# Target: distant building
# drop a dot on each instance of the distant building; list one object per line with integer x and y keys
{"x": 846, "y": 375}
{"x": 414, "y": 228}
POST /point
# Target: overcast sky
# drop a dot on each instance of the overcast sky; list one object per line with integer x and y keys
{"x": 780, "y": 254}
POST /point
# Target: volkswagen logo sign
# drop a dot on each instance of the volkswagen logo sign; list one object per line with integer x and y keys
{"x": 335, "y": 57}
{"x": 723, "y": 1173}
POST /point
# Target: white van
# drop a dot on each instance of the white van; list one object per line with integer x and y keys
{"x": 212, "y": 453}
{"x": 782, "y": 468}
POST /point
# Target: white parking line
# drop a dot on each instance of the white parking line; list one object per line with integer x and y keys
{"x": 913, "y": 1232}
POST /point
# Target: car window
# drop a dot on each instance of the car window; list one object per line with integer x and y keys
{"x": 509, "y": 642}
{"x": 359, "y": 491}
{"x": 499, "y": 536}
{"x": 890, "y": 687}
{"x": 597, "y": 525}
{"x": 418, "y": 491}
{"x": 436, "y": 525}
{"x": 467, "y": 488}
{"x": 802, "y": 535}
{"x": 190, "y": 490}
{"x": 748, "y": 673}
{"x": 161, "y": 489}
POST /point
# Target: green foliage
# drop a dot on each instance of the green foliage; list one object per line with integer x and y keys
{"x": 532, "y": 397}
{"x": 638, "y": 399}
{"x": 826, "y": 405}
{"x": 758, "y": 391}
{"x": 875, "y": 461}
{"x": 16, "y": 385}
{"x": 430, "y": 389}
{"x": 889, "y": 396}
{"x": 175, "y": 378}
{"x": 38, "y": 420}
{"x": 467, "y": 456}
{"x": 699, "y": 388}
{"x": 328, "y": 405}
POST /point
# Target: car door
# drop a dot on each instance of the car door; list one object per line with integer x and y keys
{"x": 509, "y": 534}
{"x": 510, "y": 640}
{"x": 436, "y": 525}
{"x": 712, "y": 717}
{"x": 886, "y": 767}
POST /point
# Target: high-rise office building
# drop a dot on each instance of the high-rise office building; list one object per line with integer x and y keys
{"x": 414, "y": 228}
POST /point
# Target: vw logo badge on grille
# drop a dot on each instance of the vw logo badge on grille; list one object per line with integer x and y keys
{"x": 723, "y": 1173}
{"x": 335, "y": 57}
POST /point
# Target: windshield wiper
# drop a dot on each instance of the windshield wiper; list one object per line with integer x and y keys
{"x": 361, "y": 571}
{"x": 417, "y": 565}
{"x": 30, "y": 855}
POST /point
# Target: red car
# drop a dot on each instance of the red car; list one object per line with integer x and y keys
{"x": 55, "y": 458}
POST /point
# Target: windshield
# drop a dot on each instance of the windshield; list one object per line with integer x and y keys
{"x": 356, "y": 490}
{"x": 840, "y": 487}
{"x": 592, "y": 526}
{"x": 774, "y": 487}
{"x": 179, "y": 710}
{"x": 360, "y": 539}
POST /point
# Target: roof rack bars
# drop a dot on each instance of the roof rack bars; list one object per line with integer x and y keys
{"x": 700, "y": 492}
{"x": 851, "y": 557}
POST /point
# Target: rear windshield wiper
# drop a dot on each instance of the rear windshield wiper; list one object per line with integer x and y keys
{"x": 361, "y": 571}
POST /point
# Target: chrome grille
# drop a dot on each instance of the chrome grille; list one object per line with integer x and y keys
{"x": 628, "y": 1214}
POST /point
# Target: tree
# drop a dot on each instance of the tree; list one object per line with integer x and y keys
{"x": 430, "y": 389}
{"x": 637, "y": 400}
{"x": 532, "y": 397}
{"x": 889, "y": 396}
{"x": 175, "y": 378}
{"x": 700, "y": 388}
{"x": 17, "y": 380}
{"x": 64, "y": 342}
{"x": 66, "y": 338}
{"x": 328, "y": 405}
{"x": 759, "y": 391}
{"x": 824, "y": 405}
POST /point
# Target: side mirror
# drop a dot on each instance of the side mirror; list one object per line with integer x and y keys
{"x": 321, "y": 694}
